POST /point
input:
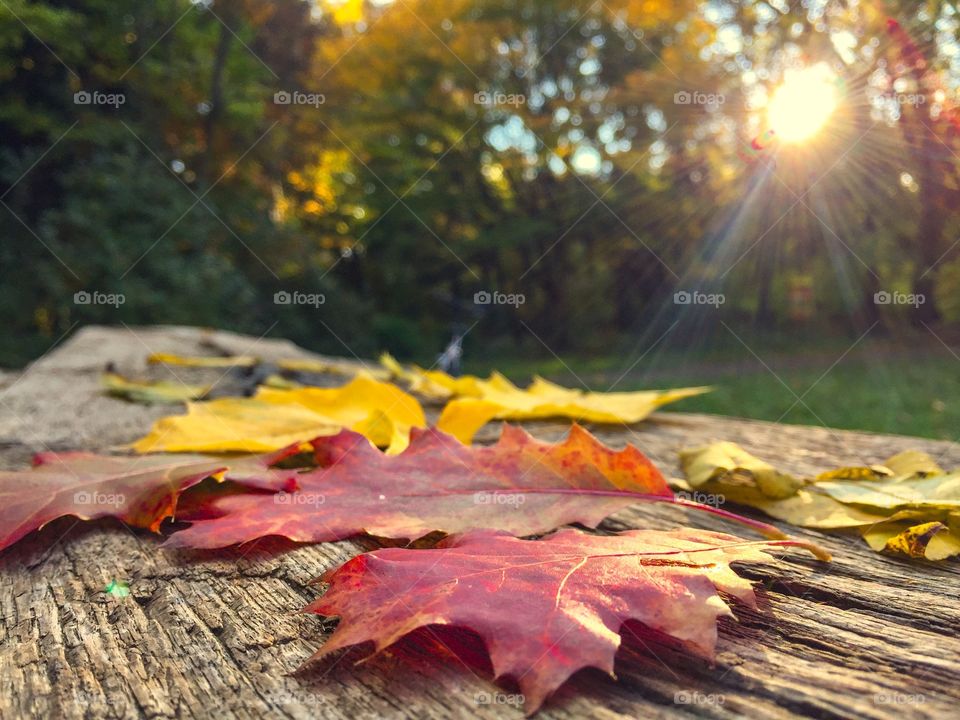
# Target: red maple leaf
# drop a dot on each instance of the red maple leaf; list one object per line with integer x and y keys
{"x": 544, "y": 608}
{"x": 141, "y": 491}
{"x": 519, "y": 485}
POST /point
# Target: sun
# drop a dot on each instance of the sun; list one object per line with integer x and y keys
{"x": 803, "y": 103}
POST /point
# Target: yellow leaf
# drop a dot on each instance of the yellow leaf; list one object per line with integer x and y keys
{"x": 913, "y": 462}
{"x": 151, "y": 392}
{"x": 501, "y": 400}
{"x": 313, "y": 365}
{"x": 902, "y": 512}
{"x": 932, "y": 540}
{"x": 857, "y": 472}
{"x": 276, "y": 418}
{"x": 207, "y": 362}
{"x": 332, "y": 367}
{"x": 279, "y": 382}
{"x": 434, "y": 384}
{"x": 742, "y": 475}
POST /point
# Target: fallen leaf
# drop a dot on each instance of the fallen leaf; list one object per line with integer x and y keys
{"x": 142, "y": 491}
{"x": 275, "y": 418}
{"x": 933, "y": 540}
{"x": 331, "y": 367}
{"x": 885, "y": 502}
{"x": 311, "y": 365}
{"x": 741, "y": 474}
{"x": 502, "y": 400}
{"x": 278, "y": 382}
{"x": 435, "y": 384}
{"x": 215, "y": 361}
{"x": 547, "y": 608}
{"x": 520, "y": 485}
{"x": 151, "y": 392}
{"x": 474, "y": 402}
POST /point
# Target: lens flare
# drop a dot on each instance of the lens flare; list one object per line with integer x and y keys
{"x": 803, "y": 103}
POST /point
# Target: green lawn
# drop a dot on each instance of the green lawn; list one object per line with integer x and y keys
{"x": 894, "y": 394}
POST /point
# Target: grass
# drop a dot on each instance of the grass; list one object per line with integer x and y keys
{"x": 904, "y": 391}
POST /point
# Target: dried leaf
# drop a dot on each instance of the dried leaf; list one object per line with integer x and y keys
{"x": 933, "y": 540}
{"x": 743, "y": 476}
{"x": 548, "y": 608}
{"x": 331, "y": 367}
{"x": 435, "y": 384}
{"x": 883, "y": 501}
{"x": 274, "y": 418}
{"x": 204, "y": 362}
{"x": 502, "y": 400}
{"x": 519, "y": 485}
{"x": 142, "y": 491}
{"x": 151, "y": 392}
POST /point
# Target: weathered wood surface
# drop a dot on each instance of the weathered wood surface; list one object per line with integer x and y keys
{"x": 218, "y": 634}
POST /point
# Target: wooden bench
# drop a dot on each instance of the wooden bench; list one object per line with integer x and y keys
{"x": 218, "y": 635}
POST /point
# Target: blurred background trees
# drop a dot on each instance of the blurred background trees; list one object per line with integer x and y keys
{"x": 540, "y": 147}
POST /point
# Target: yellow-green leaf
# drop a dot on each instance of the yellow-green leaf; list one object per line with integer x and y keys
{"x": 932, "y": 540}
{"x": 151, "y": 392}
{"x": 742, "y": 475}
{"x": 898, "y": 505}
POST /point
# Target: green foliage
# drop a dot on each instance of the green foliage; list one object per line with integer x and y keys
{"x": 586, "y": 188}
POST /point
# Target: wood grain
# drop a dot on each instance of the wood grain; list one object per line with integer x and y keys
{"x": 218, "y": 634}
